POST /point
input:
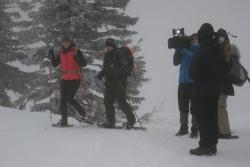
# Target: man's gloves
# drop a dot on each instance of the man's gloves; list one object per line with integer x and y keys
{"x": 51, "y": 53}
{"x": 80, "y": 59}
{"x": 100, "y": 75}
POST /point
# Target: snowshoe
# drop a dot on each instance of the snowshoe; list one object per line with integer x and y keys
{"x": 109, "y": 126}
{"x": 139, "y": 128}
{"x": 228, "y": 136}
{"x": 129, "y": 126}
{"x": 61, "y": 124}
{"x": 87, "y": 121}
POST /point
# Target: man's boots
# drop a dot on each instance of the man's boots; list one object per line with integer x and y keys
{"x": 194, "y": 132}
{"x": 201, "y": 151}
{"x": 183, "y": 130}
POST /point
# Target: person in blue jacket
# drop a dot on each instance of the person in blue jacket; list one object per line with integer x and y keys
{"x": 183, "y": 57}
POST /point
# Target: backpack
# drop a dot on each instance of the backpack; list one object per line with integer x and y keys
{"x": 237, "y": 74}
{"x": 130, "y": 63}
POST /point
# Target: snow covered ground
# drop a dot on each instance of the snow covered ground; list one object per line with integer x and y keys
{"x": 28, "y": 140}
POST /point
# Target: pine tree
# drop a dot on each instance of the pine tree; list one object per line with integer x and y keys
{"x": 89, "y": 23}
{"x": 11, "y": 53}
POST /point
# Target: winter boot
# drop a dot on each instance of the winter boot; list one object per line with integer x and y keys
{"x": 61, "y": 123}
{"x": 108, "y": 125}
{"x": 130, "y": 123}
{"x": 80, "y": 116}
{"x": 194, "y": 132}
{"x": 201, "y": 151}
{"x": 183, "y": 130}
{"x": 213, "y": 149}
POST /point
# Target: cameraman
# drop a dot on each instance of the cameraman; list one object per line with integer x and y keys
{"x": 183, "y": 57}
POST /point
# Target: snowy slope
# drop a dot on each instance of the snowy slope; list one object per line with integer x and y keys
{"x": 28, "y": 140}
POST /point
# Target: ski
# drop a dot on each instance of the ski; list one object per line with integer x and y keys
{"x": 234, "y": 137}
{"x": 106, "y": 127}
{"x": 122, "y": 127}
{"x": 59, "y": 126}
{"x": 86, "y": 121}
{"x": 139, "y": 128}
{"x": 101, "y": 125}
{"x": 134, "y": 127}
{"x": 229, "y": 137}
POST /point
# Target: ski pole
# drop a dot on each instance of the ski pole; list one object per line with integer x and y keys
{"x": 130, "y": 104}
{"x": 84, "y": 93}
{"x": 50, "y": 91}
{"x": 129, "y": 101}
{"x": 50, "y": 82}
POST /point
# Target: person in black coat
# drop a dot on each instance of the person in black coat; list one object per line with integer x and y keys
{"x": 207, "y": 69}
{"x": 116, "y": 72}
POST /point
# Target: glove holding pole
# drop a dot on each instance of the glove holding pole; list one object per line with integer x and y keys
{"x": 114, "y": 68}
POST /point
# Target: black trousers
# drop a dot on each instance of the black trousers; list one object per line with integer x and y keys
{"x": 116, "y": 91}
{"x": 206, "y": 111}
{"x": 185, "y": 104}
{"x": 68, "y": 91}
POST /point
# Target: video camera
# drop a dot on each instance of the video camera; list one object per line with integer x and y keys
{"x": 179, "y": 39}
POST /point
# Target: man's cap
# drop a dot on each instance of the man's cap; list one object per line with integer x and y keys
{"x": 110, "y": 42}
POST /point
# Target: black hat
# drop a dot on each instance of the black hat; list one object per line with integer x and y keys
{"x": 206, "y": 32}
{"x": 67, "y": 38}
{"x": 110, "y": 42}
{"x": 194, "y": 35}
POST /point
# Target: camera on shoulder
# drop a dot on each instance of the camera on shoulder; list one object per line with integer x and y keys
{"x": 179, "y": 39}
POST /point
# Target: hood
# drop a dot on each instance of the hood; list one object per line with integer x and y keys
{"x": 206, "y": 32}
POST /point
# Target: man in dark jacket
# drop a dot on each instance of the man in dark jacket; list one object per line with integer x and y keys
{"x": 207, "y": 69}
{"x": 183, "y": 58}
{"x": 115, "y": 68}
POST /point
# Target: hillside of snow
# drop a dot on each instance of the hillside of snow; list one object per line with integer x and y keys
{"x": 28, "y": 140}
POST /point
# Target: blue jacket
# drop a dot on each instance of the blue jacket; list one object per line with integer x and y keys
{"x": 185, "y": 56}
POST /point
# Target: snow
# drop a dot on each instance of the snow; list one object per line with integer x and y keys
{"x": 24, "y": 68}
{"x": 14, "y": 95}
{"x": 94, "y": 92}
{"x": 37, "y": 45}
{"x": 93, "y": 67}
{"x": 23, "y": 15}
{"x": 28, "y": 140}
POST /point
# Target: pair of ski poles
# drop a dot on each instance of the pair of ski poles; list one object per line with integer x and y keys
{"x": 129, "y": 101}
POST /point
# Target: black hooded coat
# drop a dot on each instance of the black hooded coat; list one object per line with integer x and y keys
{"x": 208, "y": 67}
